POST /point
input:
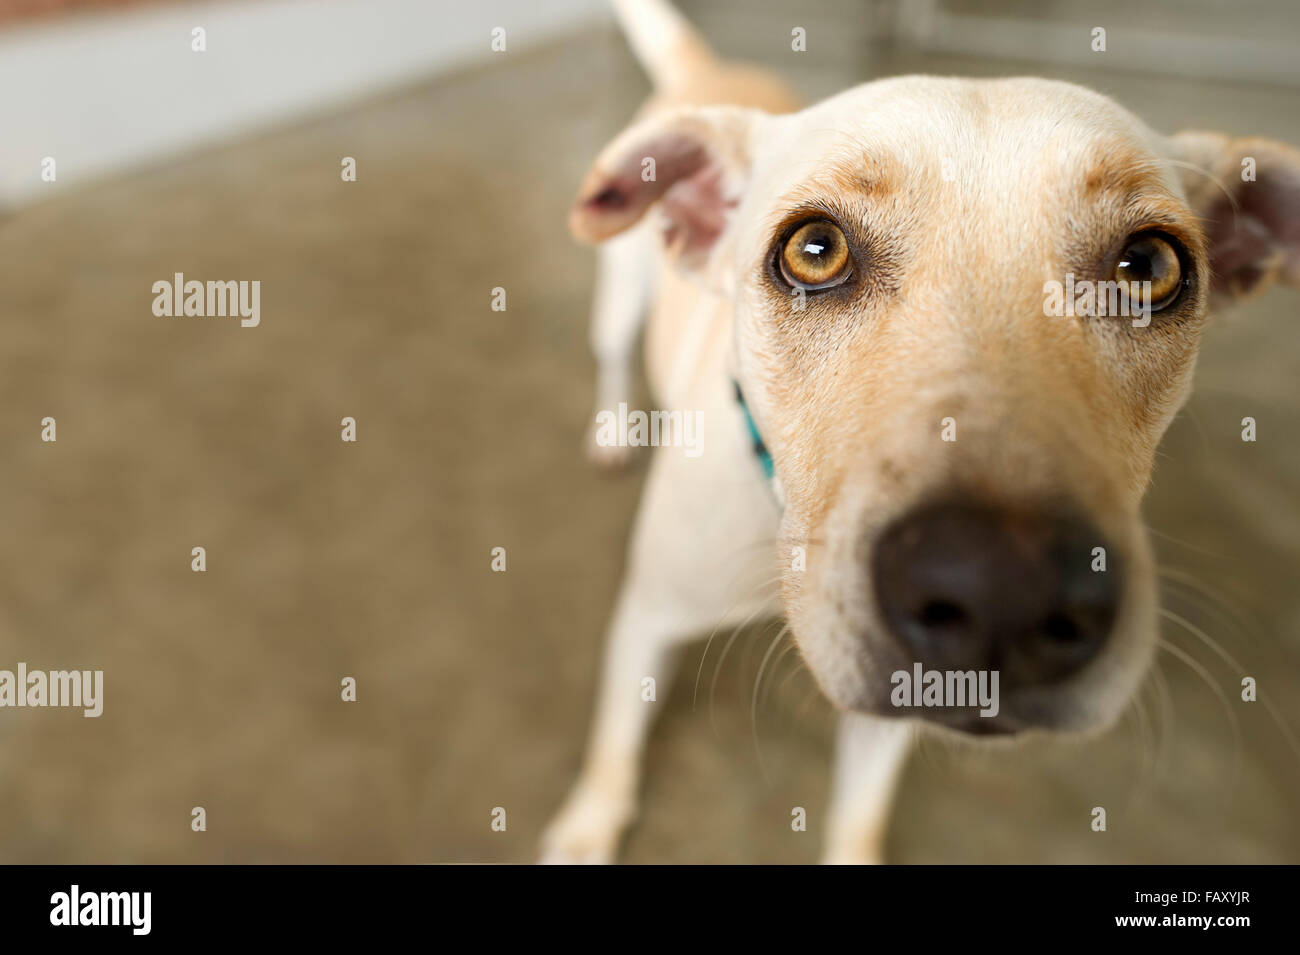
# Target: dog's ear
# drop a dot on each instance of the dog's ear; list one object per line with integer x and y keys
{"x": 695, "y": 162}
{"x": 1247, "y": 192}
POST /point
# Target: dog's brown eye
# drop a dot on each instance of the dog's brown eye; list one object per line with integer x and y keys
{"x": 1153, "y": 259}
{"x": 816, "y": 256}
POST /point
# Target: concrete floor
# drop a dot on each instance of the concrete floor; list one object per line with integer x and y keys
{"x": 371, "y": 560}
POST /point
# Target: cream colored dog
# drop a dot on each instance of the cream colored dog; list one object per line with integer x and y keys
{"x": 958, "y": 463}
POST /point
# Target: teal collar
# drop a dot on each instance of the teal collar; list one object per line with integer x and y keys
{"x": 756, "y": 440}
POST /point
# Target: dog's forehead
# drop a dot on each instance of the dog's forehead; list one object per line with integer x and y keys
{"x": 1008, "y": 136}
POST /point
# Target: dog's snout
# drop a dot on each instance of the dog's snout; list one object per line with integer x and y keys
{"x": 967, "y": 587}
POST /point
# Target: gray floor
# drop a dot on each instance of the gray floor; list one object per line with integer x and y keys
{"x": 328, "y": 560}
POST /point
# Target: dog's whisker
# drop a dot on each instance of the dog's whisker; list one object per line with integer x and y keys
{"x": 1215, "y": 602}
{"x": 1241, "y": 672}
{"x": 1220, "y": 607}
{"x": 1155, "y": 719}
{"x": 800, "y": 667}
{"x": 749, "y": 595}
{"x": 1181, "y": 543}
{"x": 1197, "y": 668}
{"x": 757, "y": 640}
{"x": 776, "y": 666}
{"x": 1201, "y": 635}
{"x": 722, "y": 657}
{"x": 1213, "y": 605}
{"x": 1138, "y": 789}
{"x": 753, "y": 701}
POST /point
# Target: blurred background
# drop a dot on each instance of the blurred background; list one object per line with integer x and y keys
{"x": 371, "y": 560}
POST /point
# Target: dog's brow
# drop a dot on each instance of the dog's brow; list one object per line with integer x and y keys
{"x": 1125, "y": 171}
{"x": 862, "y": 176}
{"x": 1154, "y": 209}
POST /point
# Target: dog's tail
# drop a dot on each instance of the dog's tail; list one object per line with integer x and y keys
{"x": 665, "y": 43}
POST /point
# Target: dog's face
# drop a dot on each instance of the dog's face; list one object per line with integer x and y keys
{"x": 926, "y": 276}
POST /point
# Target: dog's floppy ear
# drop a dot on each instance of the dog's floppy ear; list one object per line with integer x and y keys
{"x": 1247, "y": 192}
{"x": 695, "y": 162}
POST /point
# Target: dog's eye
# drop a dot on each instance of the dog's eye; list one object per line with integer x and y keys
{"x": 816, "y": 256}
{"x": 1151, "y": 258}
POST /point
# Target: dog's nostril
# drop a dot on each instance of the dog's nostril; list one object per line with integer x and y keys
{"x": 1061, "y": 628}
{"x": 941, "y": 614}
{"x": 963, "y": 586}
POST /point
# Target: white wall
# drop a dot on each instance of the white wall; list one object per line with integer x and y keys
{"x": 104, "y": 92}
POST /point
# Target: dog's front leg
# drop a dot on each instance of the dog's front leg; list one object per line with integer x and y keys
{"x": 645, "y": 639}
{"x": 643, "y": 645}
{"x": 700, "y": 558}
{"x": 869, "y": 756}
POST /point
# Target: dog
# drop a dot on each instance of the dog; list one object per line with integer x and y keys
{"x": 943, "y": 467}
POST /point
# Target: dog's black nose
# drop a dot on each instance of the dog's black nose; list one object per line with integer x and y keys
{"x": 969, "y": 587}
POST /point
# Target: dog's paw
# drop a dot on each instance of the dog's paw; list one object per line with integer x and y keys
{"x": 863, "y": 852}
{"x": 586, "y": 831}
{"x": 607, "y": 457}
{"x": 853, "y": 858}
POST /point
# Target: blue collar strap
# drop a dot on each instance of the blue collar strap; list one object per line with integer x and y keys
{"x": 756, "y": 440}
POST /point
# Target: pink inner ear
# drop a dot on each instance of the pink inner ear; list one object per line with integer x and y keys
{"x": 1261, "y": 236}
{"x": 1274, "y": 202}
{"x": 695, "y": 211}
{"x": 687, "y": 178}
{"x": 1241, "y": 249}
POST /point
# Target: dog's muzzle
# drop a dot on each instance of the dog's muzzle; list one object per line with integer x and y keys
{"x": 966, "y": 586}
